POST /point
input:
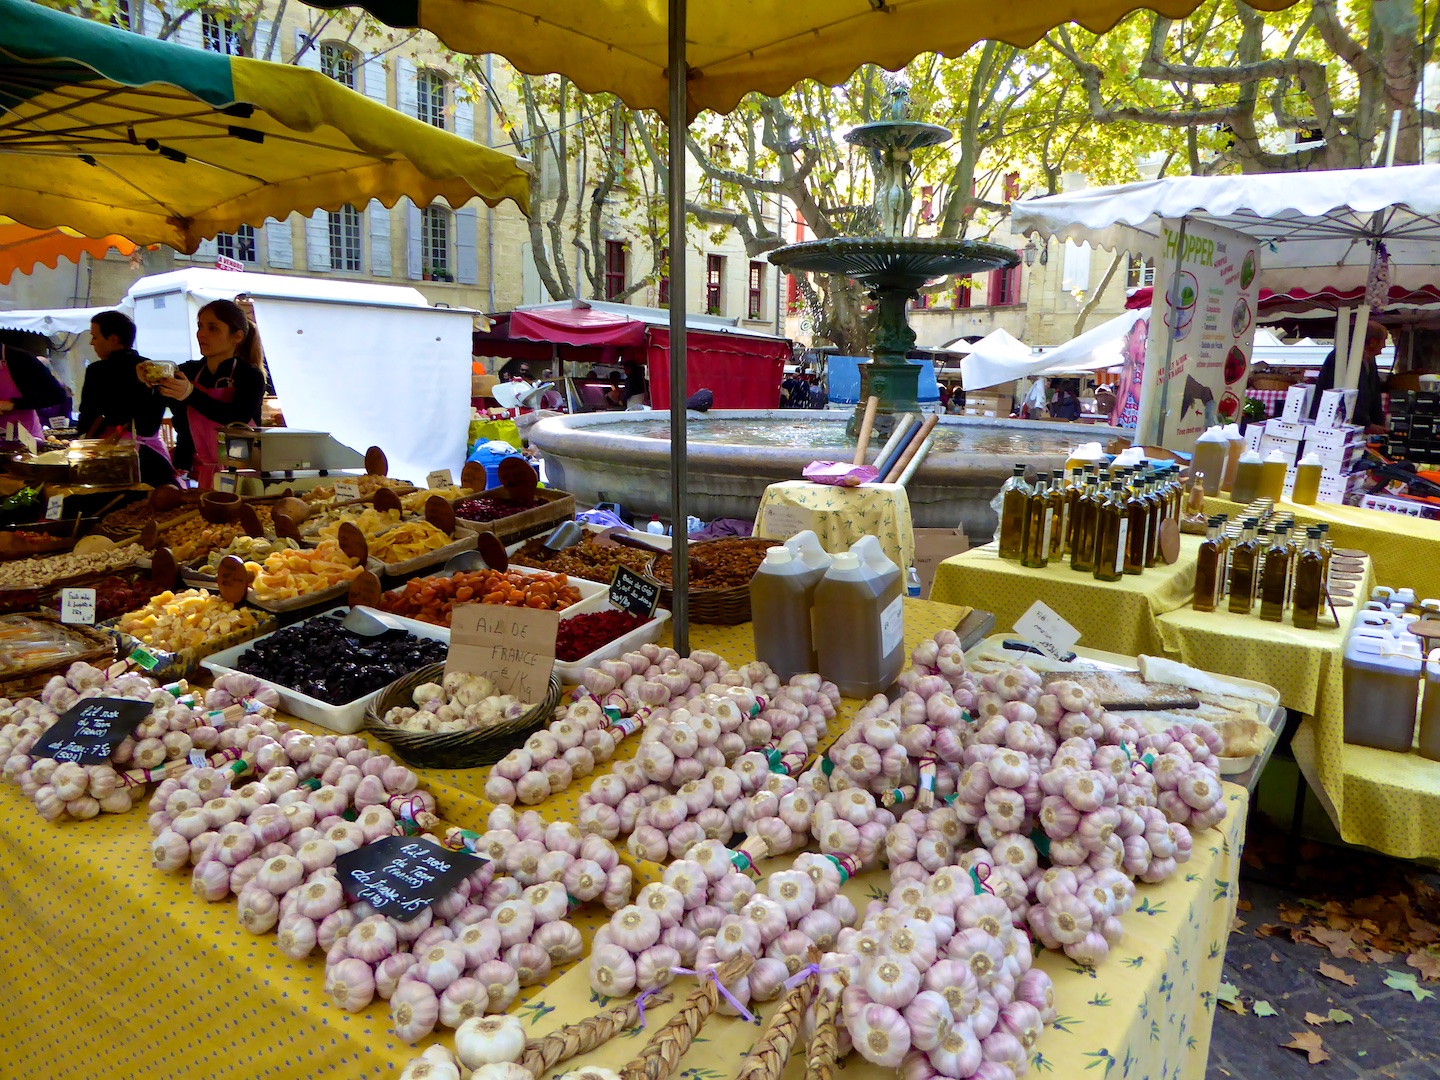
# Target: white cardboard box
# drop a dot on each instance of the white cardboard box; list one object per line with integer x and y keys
{"x": 1297, "y": 404}
{"x": 1333, "y": 440}
{"x": 1336, "y": 408}
{"x": 1282, "y": 429}
{"x": 1341, "y": 461}
{"x": 1335, "y": 490}
{"x": 1291, "y": 448}
{"x": 1253, "y": 434}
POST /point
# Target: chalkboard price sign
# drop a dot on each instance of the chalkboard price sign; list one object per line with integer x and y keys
{"x": 402, "y": 876}
{"x": 631, "y": 592}
{"x": 90, "y": 731}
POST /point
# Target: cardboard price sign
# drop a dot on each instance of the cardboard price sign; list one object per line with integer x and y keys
{"x": 347, "y": 490}
{"x": 401, "y": 877}
{"x": 631, "y": 592}
{"x": 440, "y": 478}
{"x": 1042, "y": 626}
{"x": 513, "y": 647}
{"x": 90, "y": 731}
{"x": 77, "y": 606}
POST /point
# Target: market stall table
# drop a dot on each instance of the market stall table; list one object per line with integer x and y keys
{"x": 1118, "y": 616}
{"x": 839, "y": 516}
{"x": 124, "y": 964}
{"x": 1405, "y": 551}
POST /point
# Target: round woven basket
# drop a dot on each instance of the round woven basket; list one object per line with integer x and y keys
{"x": 453, "y": 749}
{"x": 717, "y": 607}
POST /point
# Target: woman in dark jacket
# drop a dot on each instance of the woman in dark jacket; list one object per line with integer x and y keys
{"x": 224, "y": 388}
{"x": 26, "y": 386}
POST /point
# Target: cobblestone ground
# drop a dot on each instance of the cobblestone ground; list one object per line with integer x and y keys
{"x": 1389, "y": 1034}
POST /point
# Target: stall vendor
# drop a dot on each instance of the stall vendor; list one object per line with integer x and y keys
{"x": 1369, "y": 405}
{"x": 26, "y": 386}
{"x": 226, "y": 387}
{"x": 118, "y": 401}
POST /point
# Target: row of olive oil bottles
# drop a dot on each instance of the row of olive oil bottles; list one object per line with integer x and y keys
{"x": 1107, "y": 524}
{"x": 1280, "y": 570}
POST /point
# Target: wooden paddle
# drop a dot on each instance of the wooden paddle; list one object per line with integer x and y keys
{"x": 376, "y": 463}
{"x": 867, "y": 424}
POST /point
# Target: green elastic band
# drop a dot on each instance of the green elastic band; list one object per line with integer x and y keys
{"x": 1149, "y": 760}
{"x": 1041, "y": 842}
{"x": 975, "y": 880}
{"x": 776, "y": 759}
{"x": 826, "y": 765}
{"x": 313, "y": 784}
{"x": 844, "y": 874}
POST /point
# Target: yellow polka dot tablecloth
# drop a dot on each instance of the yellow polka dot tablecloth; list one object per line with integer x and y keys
{"x": 840, "y": 516}
{"x": 460, "y": 792}
{"x": 1405, "y": 550}
{"x": 1145, "y": 1012}
{"x": 1114, "y": 616}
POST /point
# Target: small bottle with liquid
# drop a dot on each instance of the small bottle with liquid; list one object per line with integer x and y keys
{"x": 1035, "y": 537}
{"x": 1247, "y": 478}
{"x": 1327, "y": 549}
{"x": 1087, "y": 516}
{"x": 1013, "y": 497}
{"x": 1272, "y": 476}
{"x": 1208, "y": 462}
{"x": 1060, "y": 517}
{"x": 1112, "y": 529}
{"x": 1208, "y": 564}
{"x": 1154, "y": 515}
{"x": 1307, "y": 480}
{"x": 1309, "y": 582}
{"x": 1276, "y": 577}
{"x": 1242, "y": 570}
{"x": 1073, "y": 495}
{"x": 1137, "y": 522}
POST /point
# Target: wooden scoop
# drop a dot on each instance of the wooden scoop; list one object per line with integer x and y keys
{"x": 473, "y": 476}
{"x": 285, "y": 526}
{"x": 376, "y": 463}
{"x": 163, "y": 570}
{"x": 296, "y": 510}
{"x": 232, "y": 579}
{"x": 250, "y": 521}
{"x": 365, "y": 591}
{"x": 352, "y": 542}
{"x": 441, "y": 514}
{"x": 518, "y": 478}
{"x": 386, "y": 500}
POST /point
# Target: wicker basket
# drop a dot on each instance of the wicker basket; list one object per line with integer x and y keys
{"x": 29, "y": 681}
{"x": 452, "y": 749}
{"x": 717, "y": 607}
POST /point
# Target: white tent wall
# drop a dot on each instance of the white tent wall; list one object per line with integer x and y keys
{"x": 357, "y": 370}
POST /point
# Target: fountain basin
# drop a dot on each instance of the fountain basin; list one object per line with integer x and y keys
{"x": 735, "y": 454}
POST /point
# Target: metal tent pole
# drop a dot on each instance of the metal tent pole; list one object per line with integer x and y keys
{"x": 679, "y": 509}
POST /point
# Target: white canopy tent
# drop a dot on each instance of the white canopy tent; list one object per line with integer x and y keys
{"x": 50, "y": 320}
{"x": 998, "y": 357}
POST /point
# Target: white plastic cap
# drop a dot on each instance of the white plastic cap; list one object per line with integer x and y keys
{"x": 1311, "y": 458}
{"x": 1250, "y": 457}
{"x": 778, "y": 556}
{"x": 1277, "y": 458}
{"x": 846, "y": 560}
{"x": 1212, "y": 435}
{"x": 1232, "y": 431}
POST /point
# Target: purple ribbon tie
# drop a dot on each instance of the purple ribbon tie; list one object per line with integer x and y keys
{"x": 709, "y": 973}
{"x": 640, "y": 1002}
{"x": 805, "y": 972}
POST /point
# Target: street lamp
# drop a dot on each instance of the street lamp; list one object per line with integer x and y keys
{"x": 1032, "y": 250}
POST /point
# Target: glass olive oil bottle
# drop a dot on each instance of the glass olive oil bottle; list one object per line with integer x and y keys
{"x": 1137, "y": 520}
{"x": 1242, "y": 570}
{"x": 1013, "y": 497}
{"x": 1208, "y": 567}
{"x": 1039, "y": 517}
{"x": 1060, "y": 522}
{"x": 1111, "y": 532}
{"x": 1273, "y": 585}
{"x": 1309, "y": 582}
{"x": 1087, "y": 511}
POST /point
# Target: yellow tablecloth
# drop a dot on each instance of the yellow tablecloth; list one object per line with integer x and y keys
{"x": 840, "y": 516}
{"x": 1117, "y": 616}
{"x": 1405, "y": 550}
{"x": 112, "y": 962}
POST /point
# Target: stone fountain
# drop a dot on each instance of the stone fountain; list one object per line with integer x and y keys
{"x": 893, "y": 265}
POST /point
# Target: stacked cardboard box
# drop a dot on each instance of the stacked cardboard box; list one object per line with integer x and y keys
{"x": 1415, "y": 427}
{"x": 1337, "y": 444}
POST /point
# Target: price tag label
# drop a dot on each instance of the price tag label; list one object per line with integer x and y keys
{"x": 1042, "y": 626}
{"x": 197, "y": 759}
{"x": 26, "y": 439}
{"x": 402, "y": 877}
{"x": 440, "y": 478}
{"x": 345, "y": 489}
{"x": 513, "y": 647}
{"x": 77, "y": 606}
{"x": 143, "y": 658}
{"x": 90, "y": 731}
{"x": 54, "y": 507}
{"x": 631, "y": 592}
{"x": 782, "y": 521}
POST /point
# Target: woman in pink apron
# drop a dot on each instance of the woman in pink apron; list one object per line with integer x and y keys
{"x": 224, "y": 388}
{"x": 26, "y": 386}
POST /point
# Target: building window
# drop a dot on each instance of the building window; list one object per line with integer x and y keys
{"x": 757, "y": 290}
{"x": 614, "y": 268}
{"x": 338, "y": 63}
{"x": 963, "y": 292}
{"x": 219, "y": 34}
{"x": 239, "y": 245}
{"x": 435, "y": 242}
{"x": 712, "y": 191}
{"x": 1139, "y": 273}
{"x": 662, "y": 292}
{"x": 120, "y": 18}
{"x": 430, "y": 98}
{"x": 1012, "y": 186}
{"x": 1004, "y": 287}
{"x": 346, "y": 252}
{"x": 714, "y": 284}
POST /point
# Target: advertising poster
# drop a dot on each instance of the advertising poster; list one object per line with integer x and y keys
{"x": 1205, "y": 320}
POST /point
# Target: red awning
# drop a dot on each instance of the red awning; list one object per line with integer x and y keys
{"x": 1297, "y": 300}
{"x": 577, "y": 326}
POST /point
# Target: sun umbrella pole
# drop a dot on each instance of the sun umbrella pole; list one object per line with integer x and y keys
{"x": 1357, "y": 347}
{"x": 1342, "y": 349}
{"x": 679, "y": 510}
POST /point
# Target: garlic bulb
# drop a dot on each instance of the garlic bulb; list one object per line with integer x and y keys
{"x": 414, "y": 1008}
{"x": 489, "y": 1040}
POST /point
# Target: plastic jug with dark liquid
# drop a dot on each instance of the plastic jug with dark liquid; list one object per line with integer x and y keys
{"x": 859, "y": 620}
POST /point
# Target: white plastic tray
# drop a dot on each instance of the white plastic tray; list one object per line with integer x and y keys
{"x": 345, "y": 719}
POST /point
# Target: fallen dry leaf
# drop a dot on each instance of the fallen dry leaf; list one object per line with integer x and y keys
{"x": 1269, "y": 929}
{"x": 1274, "y": 958}
{"x": 1340, "y": 1016}
{"x": 1264, "y": 1008}
{"x": 1243, "y": 905}
{"x": 1307, "y": 1042}
{"x": 1340, "y": 975}
{"x": 1337, "y": 941}
{"x": 1237, "y": 925}
{"x": 1380, "y": 956}
{"x": 1405, "y": 980}
{"x": 1427, "y": 964}
{"x": 1291, "y": 916}
{"x": 1314, "y": 1018}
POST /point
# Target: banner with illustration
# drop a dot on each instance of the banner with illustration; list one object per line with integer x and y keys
{"x": 1203, "y": 319}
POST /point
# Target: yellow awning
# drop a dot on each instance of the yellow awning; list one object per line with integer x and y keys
{"x": 734, "y": 47}
{"x": 103, "y": 132}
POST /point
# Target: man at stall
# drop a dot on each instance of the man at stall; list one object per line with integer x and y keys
{"x": 116, "y": 399}
{"x": 1369, "y": 405}
{"x": 635, "y": 387}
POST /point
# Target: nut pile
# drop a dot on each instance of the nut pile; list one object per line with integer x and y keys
{"x": 587, "y": 559}
{"x": 720, "y": 564}
{"x": 36, "y": 573}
